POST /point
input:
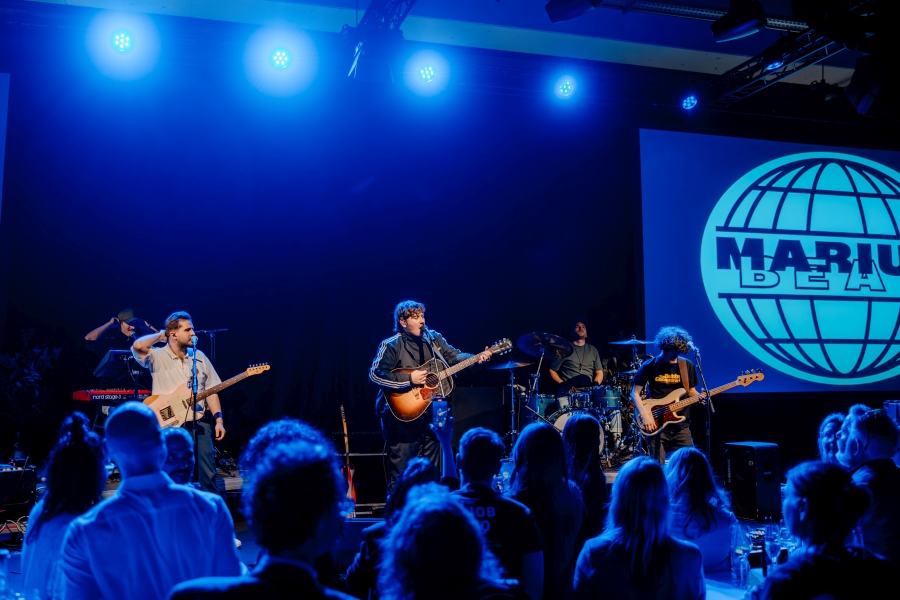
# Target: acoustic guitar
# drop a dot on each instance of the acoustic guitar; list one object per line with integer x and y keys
{"x": 173, "y": 410}
{"x": 412, "y": 404}
{"x": 665, "y": 410}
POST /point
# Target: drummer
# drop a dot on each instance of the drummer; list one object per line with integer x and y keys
{"x": 580, "y": 369}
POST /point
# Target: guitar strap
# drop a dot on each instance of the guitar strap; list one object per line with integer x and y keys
{"x": 682, "y": 369}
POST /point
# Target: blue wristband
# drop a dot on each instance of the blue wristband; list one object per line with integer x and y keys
{"x": 217, "y": 415}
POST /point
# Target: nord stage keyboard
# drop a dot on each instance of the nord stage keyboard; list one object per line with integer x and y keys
{"x": 108, "y": 395}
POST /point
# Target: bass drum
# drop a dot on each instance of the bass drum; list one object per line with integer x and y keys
{"x": 559, "y": 421}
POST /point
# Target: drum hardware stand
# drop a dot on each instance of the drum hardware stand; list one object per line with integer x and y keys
{"x": 212, "y": 339}
{"x": 513, "y": 432}
{"x": 536, "y": 414}
{"x": 709, "y": 405}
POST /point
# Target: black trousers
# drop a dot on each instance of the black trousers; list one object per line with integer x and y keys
{"x": 671, "y": 439}
{"x": 400, "y": 453}
{"x": 204, "y": 456}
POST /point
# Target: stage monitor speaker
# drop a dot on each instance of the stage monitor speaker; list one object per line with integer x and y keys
{"x": 753, "y": 476}
{"x": 17, "y": 489}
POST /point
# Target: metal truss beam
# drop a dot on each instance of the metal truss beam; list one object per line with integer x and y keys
{"x": 752, "y": 76}
{"x": 696, "y": 11}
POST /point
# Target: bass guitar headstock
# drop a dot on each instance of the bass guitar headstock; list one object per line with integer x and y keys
{"x": 748, "y": 377}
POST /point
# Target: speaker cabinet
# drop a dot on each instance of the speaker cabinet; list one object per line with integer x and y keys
{"x": 17, "y": 489}
{"x": 753, "y": 476}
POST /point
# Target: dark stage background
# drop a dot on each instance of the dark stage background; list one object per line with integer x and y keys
{"x": 299, "y": 223}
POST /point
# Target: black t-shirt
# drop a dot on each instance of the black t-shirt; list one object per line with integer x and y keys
{"x": 510, "y": 529}
{"x": 662, "y": 378}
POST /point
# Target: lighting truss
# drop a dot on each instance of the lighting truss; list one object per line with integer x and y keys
{"x": 380, "y": 25}
{"x": 696, "y": 11}
{"x": 808, "y": 48}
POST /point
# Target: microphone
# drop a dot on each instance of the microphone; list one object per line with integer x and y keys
{"x": 194, "y": 340}
{"x": 693, "y": 347}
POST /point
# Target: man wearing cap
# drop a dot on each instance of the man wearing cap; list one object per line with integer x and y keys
{"x": 171, "y": 366}
{"x": 127, "y": 323}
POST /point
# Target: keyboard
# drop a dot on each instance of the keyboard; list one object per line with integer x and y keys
{"x": 108, "y": 395}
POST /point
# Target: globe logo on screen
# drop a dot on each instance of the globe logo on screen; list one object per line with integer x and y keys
{"x": 800, "y": 259}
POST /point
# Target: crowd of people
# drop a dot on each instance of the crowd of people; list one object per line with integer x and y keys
{"x": 559, "y": 532}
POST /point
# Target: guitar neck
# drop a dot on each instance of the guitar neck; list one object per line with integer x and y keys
{"x": 449, "y": 371}
{"x": 218, "y": 388}
{"x": 694, "y": 399}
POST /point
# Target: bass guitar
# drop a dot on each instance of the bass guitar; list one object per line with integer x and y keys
{"x": 173, "y": 410}
{"x": 347, "y": 469}
{"x": 412, "y": 404}
{"x": 665, "y": 410}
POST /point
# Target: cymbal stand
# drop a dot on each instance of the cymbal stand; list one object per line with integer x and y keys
{"x": 538, "y": 415}
{"x": 513, "y": 432}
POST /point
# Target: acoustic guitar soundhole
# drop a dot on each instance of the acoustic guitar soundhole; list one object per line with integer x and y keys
{"x": 432, "y": 380}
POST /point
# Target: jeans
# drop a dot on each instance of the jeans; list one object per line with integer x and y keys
{"x": 671, "y": 439}
{"x": 205, "y": 465}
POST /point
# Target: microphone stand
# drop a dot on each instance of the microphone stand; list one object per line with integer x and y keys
{"x": 194, "y": 387}
{"x": 212, "y": 339}
{"x": 709, "y": 405}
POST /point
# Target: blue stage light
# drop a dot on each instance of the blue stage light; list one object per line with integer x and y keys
{"x": 122, "y": 41}
{"x": 281, "y": 59}
{"x": 689, "y": 102}
{"x": 123, "y": 45}
{"x": 775, "y": 64}
{"x": 426, "y": 73}
{"x": 565, "y": 87}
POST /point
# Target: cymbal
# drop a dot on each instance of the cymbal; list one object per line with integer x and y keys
{"x": 511, "y": 364}
{"x": 544, "y": 344}
{"x": 632, "y": 342}
{"x": 626, "y": 373}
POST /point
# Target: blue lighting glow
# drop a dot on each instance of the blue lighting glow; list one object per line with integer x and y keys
{"x": 775, "y": 64}
{"x": 689, "y": 102}
{"x": 124, "y": 46}
{"x": 426, "y": 73}
{"x": 565, "y": 87}
{"x": 280, "y": 58}
{"x": 122, "y": 41}
{"x": 280, "y": 61}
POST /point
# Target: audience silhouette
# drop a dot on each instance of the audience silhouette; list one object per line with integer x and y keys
{"x": 75, "y": 475}
{"x": 540, "y": 481}
{"x": 636, "y": 555}
{"x": 153, "y": 533}
{"x": 699, "y": 508}
{"x": 821, "y": 507}
{"x": 295, "y": 506}
{"x": 436, "y": 551}
{"x": 581, "y": 436}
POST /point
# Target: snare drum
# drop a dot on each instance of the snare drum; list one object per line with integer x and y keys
{"x": 559, "y": 419}
{"x": 606, "y": 397}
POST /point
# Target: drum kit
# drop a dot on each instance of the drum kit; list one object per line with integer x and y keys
{"x": 608, "y": 403}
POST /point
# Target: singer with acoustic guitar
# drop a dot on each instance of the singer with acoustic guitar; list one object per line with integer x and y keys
{"x": 171, "y": 367}
{"x": 399, "y": 371}
{"x": 662, "y": 375}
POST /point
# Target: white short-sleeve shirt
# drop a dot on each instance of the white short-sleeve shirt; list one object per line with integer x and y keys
{"x": 169, "y": 371}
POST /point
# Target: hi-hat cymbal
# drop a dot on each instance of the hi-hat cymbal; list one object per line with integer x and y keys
{"x": 632, "y": 342}
{"x": 512, "y": 364}
{"x": 544, "y": 344}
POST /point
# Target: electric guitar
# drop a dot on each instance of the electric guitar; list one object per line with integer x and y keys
{"x": 665, "y": 410}
{"x": 412, "y": 404}
{"x": 347, "y": 469}
{"x": 173, "y": 410}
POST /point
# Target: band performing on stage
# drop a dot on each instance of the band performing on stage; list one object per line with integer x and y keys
{"x": 641, "y": 401}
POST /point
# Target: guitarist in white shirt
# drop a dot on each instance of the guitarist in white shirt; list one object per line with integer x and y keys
{"x": 171, "y": 367}
{"x": 661, "y": 375}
